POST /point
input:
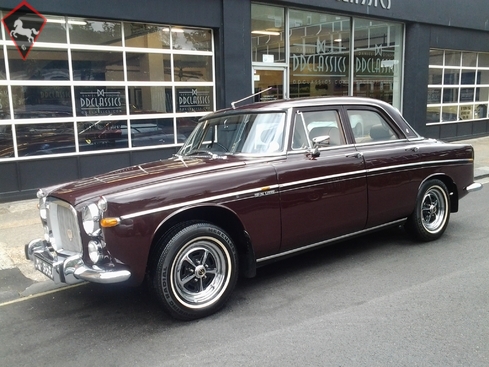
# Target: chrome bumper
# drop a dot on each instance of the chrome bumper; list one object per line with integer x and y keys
{"x": 473, "y": 187}
{"x": 69, "y": 269}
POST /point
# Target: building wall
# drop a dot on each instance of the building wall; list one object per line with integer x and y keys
{"x": 444, "y": 24}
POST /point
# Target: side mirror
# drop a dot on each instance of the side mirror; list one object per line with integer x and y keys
{"x": 318, "y": 141}
{"x": 321, "y": 141}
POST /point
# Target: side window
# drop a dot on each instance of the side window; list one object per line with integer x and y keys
{"x": 299, "y": 135}
{"x": 313, "y": 124}
{"x": 324, "y": 123}
{"x": 369, "y": 126}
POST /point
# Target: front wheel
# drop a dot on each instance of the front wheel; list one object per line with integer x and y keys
{"x": 430, "y": 217}
{"x": 196, "y": 270}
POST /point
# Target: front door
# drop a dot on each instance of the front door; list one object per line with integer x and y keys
{"x": 323, "y": 197}
{"x": 270, "y": 81}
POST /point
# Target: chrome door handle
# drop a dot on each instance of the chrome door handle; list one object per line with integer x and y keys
{"x": 355, "y": 155}
{"x": 413, "y": 149}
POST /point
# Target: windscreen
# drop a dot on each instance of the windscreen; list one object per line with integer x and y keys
{"x": 261, "y": 133}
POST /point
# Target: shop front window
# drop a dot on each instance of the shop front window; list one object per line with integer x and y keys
{"x": 93, "y": 85}
{"x": 194, "y": 99}
{"x": 2, "y": 67}
{"x": 462, "y": 79}
{"x": 192, "y": 68}
{"x": 142, "y": 67}
{"x": 95, "y": 32}
{"x": 54, "y": 30}
{"x": 147, "y": 35}
{"x": 100, "y": 101}
{"x": 150, "y": 99}
{"x": 42, "y": 64}
{"x": 151, "y": 132}
{"x": 42, "y": 139}
{"x": 4, "y": 103}
{"x": 102, "y": 135}
{"x": 377, "y": 60}
{"x": 6, "y": 142}
{"x": 319, "y": 54}
{"x": 267, "y": 34}
{"x": 97, "y": 65}
{"x": 191, "y": 39}
{"x": 328, "y": 54}
{"x": 185, "y": 125}
{"x": 42, "y": 102}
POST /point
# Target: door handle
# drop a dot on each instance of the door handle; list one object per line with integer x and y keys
{"x": 355, "y": 155}
{"x": 413, "y": 149}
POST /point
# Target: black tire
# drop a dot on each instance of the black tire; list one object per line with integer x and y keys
{"x": 432, "y": 213}
{"x": 196, "y": 271}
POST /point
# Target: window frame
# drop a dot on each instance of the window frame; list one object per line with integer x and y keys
{"x": 439, "y": 105}
{"x": 126, "y": 85}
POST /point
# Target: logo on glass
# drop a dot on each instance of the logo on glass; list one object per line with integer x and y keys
{"x": 24, "y": 24}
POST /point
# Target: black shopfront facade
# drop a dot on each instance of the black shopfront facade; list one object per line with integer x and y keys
{"x": 109, "y": 84}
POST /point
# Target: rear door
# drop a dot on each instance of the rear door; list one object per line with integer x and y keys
{"x": 391, "y": 162}
{"x": 325, "y": 196}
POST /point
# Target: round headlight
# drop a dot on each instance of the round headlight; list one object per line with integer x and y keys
{"x": 95, "y": 251}
{"x": 91, "y": 220}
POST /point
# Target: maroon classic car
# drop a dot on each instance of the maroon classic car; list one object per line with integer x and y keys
{"x": 251, "y": 185}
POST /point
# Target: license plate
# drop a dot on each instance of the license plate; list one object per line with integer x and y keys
{"x": 44, "y": 267}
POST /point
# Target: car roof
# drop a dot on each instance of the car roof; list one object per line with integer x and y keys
{"x": 284, "y": 104}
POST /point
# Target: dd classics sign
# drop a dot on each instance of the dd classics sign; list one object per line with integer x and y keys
{"x": 384, "y": 4}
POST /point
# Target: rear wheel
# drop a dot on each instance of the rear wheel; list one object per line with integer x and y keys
{"x": 432, "y": 213}
{"x": 196, "y": 270}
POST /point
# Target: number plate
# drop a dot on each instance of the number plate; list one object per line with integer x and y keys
{"x": 44, "y": 267}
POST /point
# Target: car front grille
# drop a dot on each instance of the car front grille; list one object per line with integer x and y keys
{"x": 64, "y": 231}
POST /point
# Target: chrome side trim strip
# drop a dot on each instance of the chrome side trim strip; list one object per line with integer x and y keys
{"x": 323, "y": 178}
{"x": 322, "y": 243}
{"x": 257, "y": 192}
{"x": 429, "y": 163}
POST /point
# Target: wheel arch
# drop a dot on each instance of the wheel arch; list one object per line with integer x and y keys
{"x": 219, "y": 216}
{"x": 451, "y": 186}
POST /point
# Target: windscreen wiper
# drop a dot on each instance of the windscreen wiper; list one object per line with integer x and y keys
{"x": 206, "y": 153}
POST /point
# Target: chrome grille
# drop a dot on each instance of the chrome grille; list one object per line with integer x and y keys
{"x": 63, "y": 227}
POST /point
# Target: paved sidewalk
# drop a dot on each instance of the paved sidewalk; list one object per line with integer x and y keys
{"x": 20, "y": 223}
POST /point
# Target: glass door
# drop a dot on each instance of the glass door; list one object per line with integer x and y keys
{"x": 270, "y": 81}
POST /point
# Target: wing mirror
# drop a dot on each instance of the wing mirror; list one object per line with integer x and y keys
{"x": 318, "y": 142}
{"x": 321, "y": 141}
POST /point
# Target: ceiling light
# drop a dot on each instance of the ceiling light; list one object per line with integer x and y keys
{"x": 62, "y": 21}
{"x": 266, "y": 33}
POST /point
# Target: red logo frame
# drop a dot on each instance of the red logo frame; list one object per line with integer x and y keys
{"x": 24, "y": 25}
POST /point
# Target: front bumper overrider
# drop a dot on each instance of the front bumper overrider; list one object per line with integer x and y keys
{"x": 70, "y": 269}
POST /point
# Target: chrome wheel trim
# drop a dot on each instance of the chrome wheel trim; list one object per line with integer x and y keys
{"x": 200, "y": 272}
{"x": 434, "y": 209}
